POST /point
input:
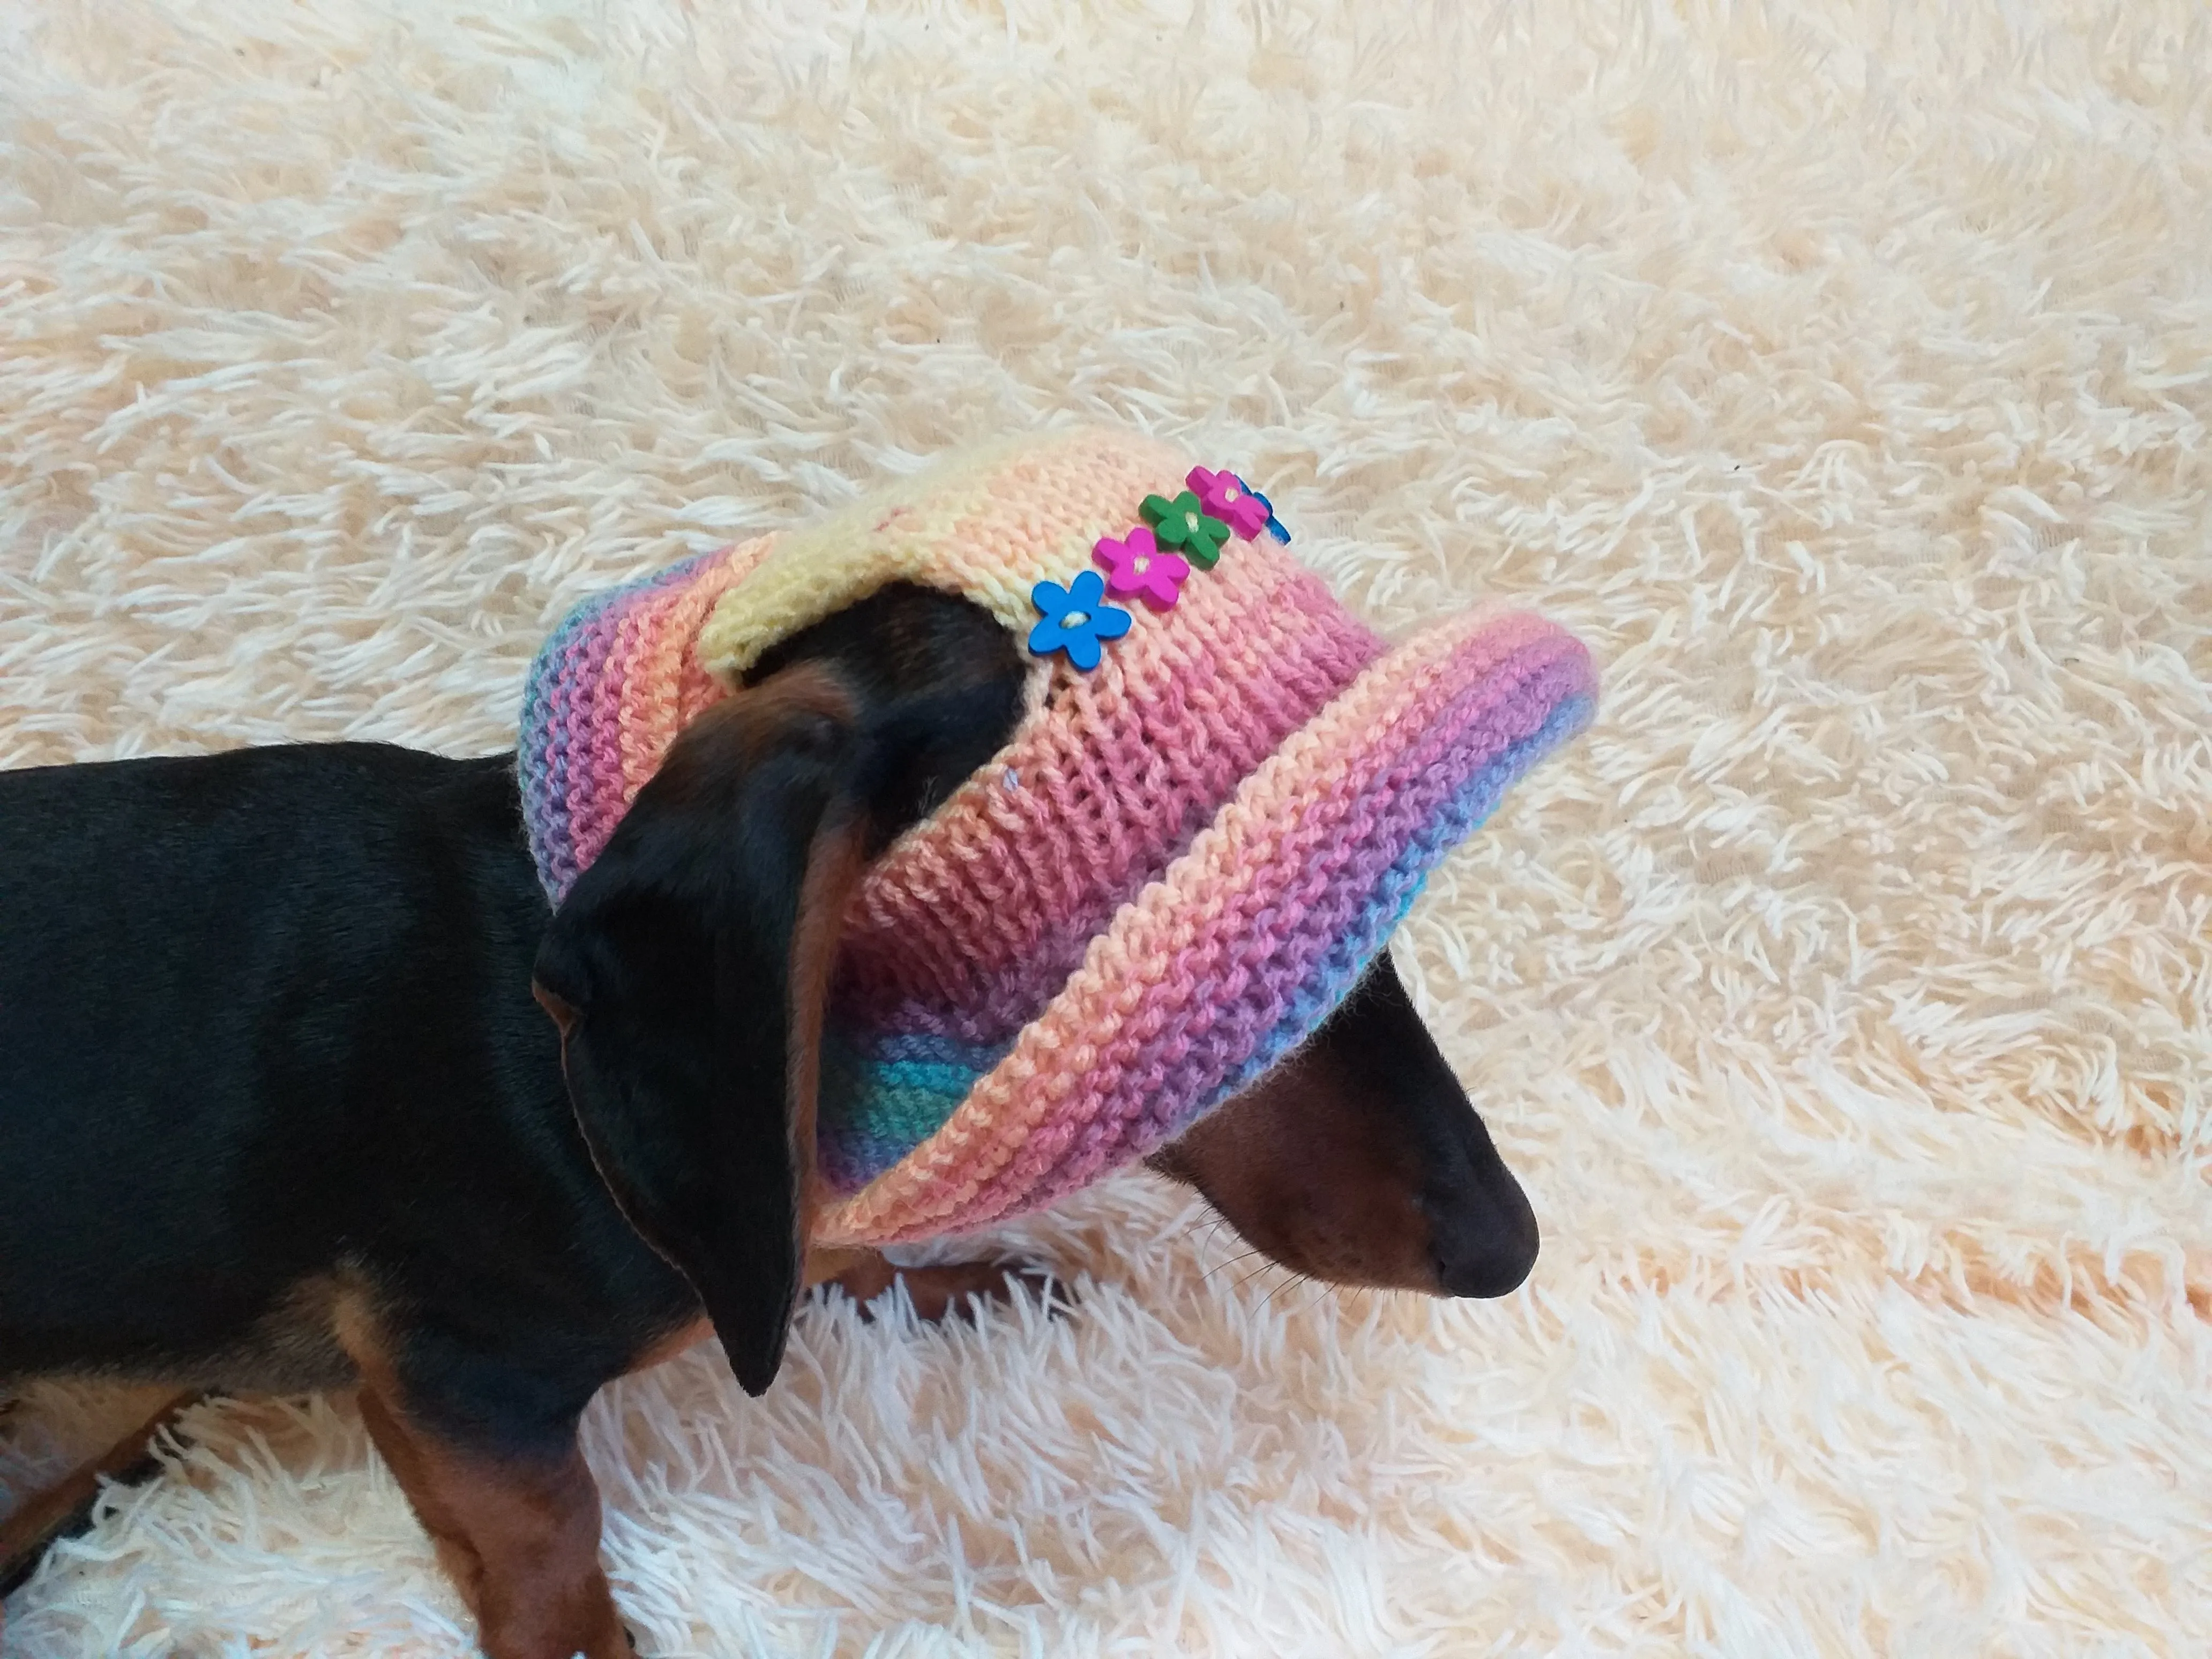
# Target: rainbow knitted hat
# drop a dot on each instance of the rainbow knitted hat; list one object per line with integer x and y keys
{"x": 1220, "y": 801}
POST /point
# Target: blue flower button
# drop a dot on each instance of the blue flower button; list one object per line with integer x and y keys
{"x": 1076, "y": 618}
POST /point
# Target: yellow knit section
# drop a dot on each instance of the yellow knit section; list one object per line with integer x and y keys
{"x": 989, "y": 525}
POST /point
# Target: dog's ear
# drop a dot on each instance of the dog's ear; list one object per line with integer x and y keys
{"x": 686, "y": 970}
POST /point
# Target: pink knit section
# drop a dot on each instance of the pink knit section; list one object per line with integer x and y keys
{"x": 596, "y": 798}
{"x": 967, "y": 930}
{"x": 1172, "y": 951}
{"x": 1247, "y": 974}
{"x": 661, "y": 686}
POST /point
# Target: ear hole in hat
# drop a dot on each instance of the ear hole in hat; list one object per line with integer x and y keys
{"x": 943, "y": 686}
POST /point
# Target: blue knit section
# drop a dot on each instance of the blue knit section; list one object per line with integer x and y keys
{"x": 881, "y": 1098}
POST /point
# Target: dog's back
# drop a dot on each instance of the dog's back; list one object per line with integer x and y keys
{"x": 221, "y": 967}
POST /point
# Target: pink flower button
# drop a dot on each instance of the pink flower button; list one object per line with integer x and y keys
{"x": 1136, "y": 565}
{"x": 1223, "y": 496}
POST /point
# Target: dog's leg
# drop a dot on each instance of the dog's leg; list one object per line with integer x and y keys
{"x": 46, "y": 1517}
{"x": 495, "y": 1477}
{"x": 935, "y": 1292}
{"x": 518, "y": 1532}
{"x": 412, "y": 1469}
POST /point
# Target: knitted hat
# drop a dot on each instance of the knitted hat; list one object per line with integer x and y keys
{"x": 1220, "y": 803}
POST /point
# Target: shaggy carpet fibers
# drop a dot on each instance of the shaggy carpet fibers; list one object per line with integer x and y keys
{"x": 1840, "y": 371}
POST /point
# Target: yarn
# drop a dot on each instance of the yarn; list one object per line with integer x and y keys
{"x": 1179, "y": 863}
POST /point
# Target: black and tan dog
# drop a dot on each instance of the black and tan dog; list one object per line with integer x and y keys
{"x": 282, "y": 1107}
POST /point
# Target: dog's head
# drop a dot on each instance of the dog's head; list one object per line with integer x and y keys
{"x": 689, "y": 965}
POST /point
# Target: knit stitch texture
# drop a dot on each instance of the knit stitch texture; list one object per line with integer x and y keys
{"x": 1179, "y": 864}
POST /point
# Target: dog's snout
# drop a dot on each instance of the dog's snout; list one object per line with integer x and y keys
{"x": 1482, "y": 1237}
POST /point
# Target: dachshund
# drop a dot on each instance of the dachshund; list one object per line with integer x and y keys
{"x": 282, "y": 1107}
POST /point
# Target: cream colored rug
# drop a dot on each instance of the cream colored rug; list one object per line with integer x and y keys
{"x": 1842, "y": 372}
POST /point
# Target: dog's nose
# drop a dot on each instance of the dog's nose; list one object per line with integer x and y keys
{"x": 1482, "y": 1238}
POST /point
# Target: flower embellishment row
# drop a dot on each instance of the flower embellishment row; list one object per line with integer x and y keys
{"x": 1152, "y": 560}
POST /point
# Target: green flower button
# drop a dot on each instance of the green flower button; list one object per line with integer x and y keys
{"x": 1183, "y": 522}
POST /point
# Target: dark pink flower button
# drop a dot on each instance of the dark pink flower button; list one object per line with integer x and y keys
{"x": 1135, "y": 564}
{"x": 1223, "y": 496}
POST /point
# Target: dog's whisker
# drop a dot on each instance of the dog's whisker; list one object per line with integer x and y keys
{"x": 1253, "y": 1274}
{"x": 1211, "y": 1224}
{"x": 1240, "y": 1257}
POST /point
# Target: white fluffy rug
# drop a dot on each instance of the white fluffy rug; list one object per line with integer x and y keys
{"x": 1843, "y": 373}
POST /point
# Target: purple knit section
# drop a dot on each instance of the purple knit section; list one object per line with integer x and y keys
{"x": 569, "y": 747}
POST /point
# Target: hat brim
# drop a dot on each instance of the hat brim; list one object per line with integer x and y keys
{"x": 1248, "y": 940}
